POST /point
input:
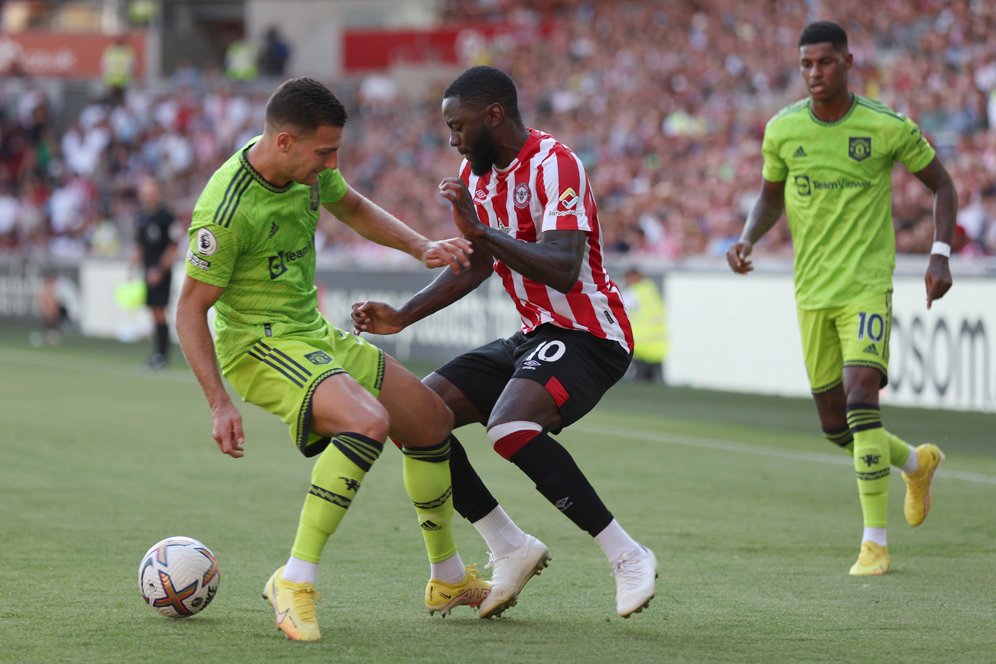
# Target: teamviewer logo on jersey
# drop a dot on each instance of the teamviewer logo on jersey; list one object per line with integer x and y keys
{"x": 803, "y": 186}
{"x": 277, "y": 265}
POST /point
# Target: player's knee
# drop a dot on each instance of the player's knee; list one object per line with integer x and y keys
{"x": 862, "y": 384}
{"x": 834, "y": 422}
{"x": 442, "y": 416}
{"x": 373, "y": 423}
{"x": 370, "y": 420}
{"x": 864, "y": 391}
{"x": 510, "y": 437}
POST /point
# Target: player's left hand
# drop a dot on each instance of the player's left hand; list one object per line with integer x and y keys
{"x": 738, "y": 256}
{"x": 375, "y": 318}
{"x": 454, "y": 252}
{"x": 938, "y": 278}
{"x": 464, "y": 213}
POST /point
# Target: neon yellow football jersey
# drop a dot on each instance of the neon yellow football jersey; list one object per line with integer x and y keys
{"x": 257, "y": 241}
{"x": 838, "y": 194}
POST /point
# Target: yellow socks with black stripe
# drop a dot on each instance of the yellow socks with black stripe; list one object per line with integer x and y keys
{"x": 842, "y": 438}
{"x": 335, "y": 479}
{"x": 871, "y": 465}
{"x": 426, "y": 472}
{"x": 900, "y": 452}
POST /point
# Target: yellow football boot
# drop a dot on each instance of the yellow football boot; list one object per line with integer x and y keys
{"x": 872, "y": 561}
{"x": 294, "y": 605}
{"x": 443, "y": 597}
{"x": 917, "y": 503}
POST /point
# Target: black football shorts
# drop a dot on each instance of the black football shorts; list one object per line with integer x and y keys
{"x": 575, "y": 367}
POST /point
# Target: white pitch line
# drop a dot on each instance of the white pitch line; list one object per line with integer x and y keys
{"x": 751, "y": 448}
{"x": 90, "y": 364}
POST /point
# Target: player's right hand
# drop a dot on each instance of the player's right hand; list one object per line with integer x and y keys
{"x": 228, "y": 430}
{"x": 453, "y": 253}
{"x": 375, "y": 318}
{"x": 738, "y": 257}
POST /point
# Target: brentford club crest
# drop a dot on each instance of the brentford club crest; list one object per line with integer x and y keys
{"x": 521, "y": 195}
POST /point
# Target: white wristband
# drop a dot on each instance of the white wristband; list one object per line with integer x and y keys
{"x": 942, "y": 249}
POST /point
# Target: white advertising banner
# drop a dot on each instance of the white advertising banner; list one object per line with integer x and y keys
{"x": 730, "y": 332}
{"x": 727, "y": 332}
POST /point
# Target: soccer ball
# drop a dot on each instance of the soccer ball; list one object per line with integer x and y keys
{"x": 178, "y": 577}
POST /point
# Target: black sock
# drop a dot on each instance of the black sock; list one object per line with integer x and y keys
{"x": 162, "y": 340}
{"x": 471, "y": 498}
{"x": 551, "y": 467}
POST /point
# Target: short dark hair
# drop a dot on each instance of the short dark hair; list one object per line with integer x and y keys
{"x": 486, "y": 85}
{"x": 820, "y": 32}
{"x": 306, "y": 104}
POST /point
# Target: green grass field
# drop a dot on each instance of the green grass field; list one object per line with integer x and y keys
{"x": 754, "y": 519}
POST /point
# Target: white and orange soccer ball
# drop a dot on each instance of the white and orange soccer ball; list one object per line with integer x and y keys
{"x": 178, "y": 577}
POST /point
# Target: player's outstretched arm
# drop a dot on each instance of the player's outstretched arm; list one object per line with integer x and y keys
{"x": 445, "y": 289}
{"x": 378, "y": 225}
{"x": 936, "y": 178}
{"x": 196, "y": 297}
{"x": 555, "y": 260}
{"x": 765, "y": 213}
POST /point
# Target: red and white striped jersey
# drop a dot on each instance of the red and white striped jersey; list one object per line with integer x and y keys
{"x": 546, "y": 188}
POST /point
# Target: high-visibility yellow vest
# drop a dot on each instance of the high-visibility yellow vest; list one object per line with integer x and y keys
{"x": 649, "y": 326}
{"x": 117, "y": 64}
{"x": 240, "y": 62}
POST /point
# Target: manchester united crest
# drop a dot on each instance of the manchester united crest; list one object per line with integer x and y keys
{"x": 859, "y": 148}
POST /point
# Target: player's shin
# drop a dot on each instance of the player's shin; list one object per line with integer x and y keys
{"x": 558, "y": 478}
{"x": 426, "y": 473}
{"x": 335, "y": 479}
{"x": 871, "y": 464}
{"x": 471, "y": 498}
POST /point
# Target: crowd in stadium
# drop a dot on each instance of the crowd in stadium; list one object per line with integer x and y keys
{"x": 665, "y": 103}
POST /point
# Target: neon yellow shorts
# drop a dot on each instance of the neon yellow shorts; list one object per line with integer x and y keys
{"x": 281, "y": 374}
{"x": 856, "y": 335}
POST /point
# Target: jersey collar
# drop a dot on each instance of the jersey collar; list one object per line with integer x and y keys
{"x": 244, "y": 160}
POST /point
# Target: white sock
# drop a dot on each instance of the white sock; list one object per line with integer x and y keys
{"x": 451, "y": 570}
{"x": 499, "y": 532}
{"x": 300, "y": 571}
{"x": 615, "y": 541}
{"x": 876, "y": 535}
{"x": 912, "y": 463}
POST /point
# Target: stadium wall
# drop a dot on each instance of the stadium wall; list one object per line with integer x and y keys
{"x": 734, "y": 333}
{"x": 726, "y": 332}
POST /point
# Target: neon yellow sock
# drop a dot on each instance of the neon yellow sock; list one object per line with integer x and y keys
{"x": 426, "y": 473}
{"x": 335, "y": 479}
{"x": 842, "y": 439}
{"x": 899, "y": 449}
{"x": 871, "y": 463}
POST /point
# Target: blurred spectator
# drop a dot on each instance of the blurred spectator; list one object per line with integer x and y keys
{"x": 274, "y": 54}
{"x": 117, "y": 66}
{"x": 11, "y": 55}
{"x": 240, "y": 61}
{"x": 645, "y": 306}
{"x": 58, "y": 304}
{"x": 141, "y": 12}
{"x": 963, "y": 245}
{"x": 664, "y": 102}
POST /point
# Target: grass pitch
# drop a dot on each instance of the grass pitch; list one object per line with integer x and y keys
{"x": 754, "y": 519}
